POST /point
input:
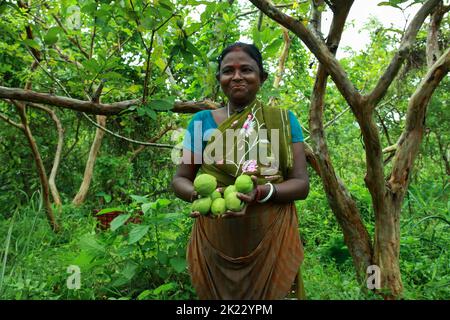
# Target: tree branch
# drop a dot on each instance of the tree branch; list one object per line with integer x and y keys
{"x": 152, "y": 140}
{"x": 432, "y": 48}
{"x": 405, "y": 46}
{"x": 409, "y": 141}
{"x": 9, "y": 121}
{"x": 281, "y": 63}
{"x": 74, "y": 41}
{"x": 318, "y": 48}
{"x": 39, "y": 164}
{"x": 143, "y": 143}
{"x": 96, "y": 108}
{"x": 246, "y": 13}
{"x": 344, "y": 207}
{"x": 59, "y": 146}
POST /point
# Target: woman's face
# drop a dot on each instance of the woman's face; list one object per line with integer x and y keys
{"x": 239, "y": 77}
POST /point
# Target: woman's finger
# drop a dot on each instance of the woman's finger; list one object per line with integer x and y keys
{"x": 232, "y": 214}
{"x": 194, "y": 214}
{"x": 244, "y": 197}
{"x": 255, "y": 181}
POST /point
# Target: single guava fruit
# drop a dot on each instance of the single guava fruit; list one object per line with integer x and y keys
{"x": 202, "y": 205}
{"x": 244, "y": 184}
{"x": 233, "y": 203}
{"x": 205, "y": 184}
{"x": 218, "y": 206}
{"x": 215, "y": 195}
{"x": 228, "y": 190}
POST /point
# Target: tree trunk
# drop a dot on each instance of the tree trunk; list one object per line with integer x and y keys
{"x": 40, "y": 167}
{"x": 386, "y": 197}
{"x": 88, "y": 172}
{"x": 387, "y": 229}
{"x": 387, "y": 247}
{"x": 56, "y": 161}
{"x": 343, "y": 206}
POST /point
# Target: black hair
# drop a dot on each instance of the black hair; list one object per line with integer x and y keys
{"x": 249, "y": 49}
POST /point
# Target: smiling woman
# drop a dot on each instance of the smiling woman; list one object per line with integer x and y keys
{"x": 239, "y": 76}
{"x": 254, "y": 253}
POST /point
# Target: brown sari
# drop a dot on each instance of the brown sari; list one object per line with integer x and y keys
{"x": 256, "y": 256}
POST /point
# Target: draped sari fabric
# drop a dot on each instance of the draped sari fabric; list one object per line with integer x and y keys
{"x": 256, "y": 256}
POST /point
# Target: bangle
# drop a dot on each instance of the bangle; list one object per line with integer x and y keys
{"x": 269, "y": 195}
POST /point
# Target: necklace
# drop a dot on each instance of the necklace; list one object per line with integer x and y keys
{"x": 228, "y": 109}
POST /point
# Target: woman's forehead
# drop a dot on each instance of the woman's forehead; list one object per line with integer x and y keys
{"x": 239, "y": 57}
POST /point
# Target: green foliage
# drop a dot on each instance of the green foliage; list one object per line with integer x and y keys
{"x": 163, "y": 47}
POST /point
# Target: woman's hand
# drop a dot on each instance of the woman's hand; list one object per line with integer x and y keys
{"x": 247, "y": 198}
{"x": 251, "y": 196}
{"x": 194, "y": 196}
{"x": 227, "y": 214}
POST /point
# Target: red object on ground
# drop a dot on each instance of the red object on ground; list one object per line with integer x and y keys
{"x": 104, "y": 220}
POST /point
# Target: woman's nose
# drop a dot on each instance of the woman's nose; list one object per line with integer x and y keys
{"x": 237, "y": 75}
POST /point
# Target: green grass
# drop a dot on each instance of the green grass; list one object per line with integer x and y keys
{"x": 34, "y": 261}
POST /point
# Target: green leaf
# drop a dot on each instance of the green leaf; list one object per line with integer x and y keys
{"x": 90, "y": 8}
{"x": 162, "y": 257}
{"x": 272, "y": 49}
{"x": 165, "y": 288}
{"x": 151, "y": 113}
{"x": 160, "y": 63}
{"x": 52, "y": 35}
{"x": 90, "y": 243}
{"x": 160, "y": 104}
{"x": 166, "y": 4}
{"x": 139, "y": 199}
{"x": 31, "y": 43}
{"x": 144, "y": 294}
{"x": 3, "y": 6}
{"x": 111, "y": 75}
{"x": 257, "y": 38}
{"x": 175, "y": 50}
{"x": 91, "y": 65}
{"x": 146, "y": 207}
{"x": 193, "y": 49}
{"x": 129, "y": 271}
{"x": 187, "y": 57}
{"x": 119, "y": 221}
{"x": 160, "y": 203}
{"x": 178, "y": 264}
{"x": 163, "y": 202}
{"x": 108, "y": 210}
{"x": 137, "y": 233}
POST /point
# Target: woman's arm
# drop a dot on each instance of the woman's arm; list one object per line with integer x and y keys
{"x": 296, "y": 187}
{"x": 182, "y": 182}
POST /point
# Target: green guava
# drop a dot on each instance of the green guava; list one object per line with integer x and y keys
{"x": 205, "y": 184}
{"x": 218, "y": 206}
{"x": 228, "y": 190}
{"x": 202, "y": 205}
{"x": 244, "y": 184}
{"x": 233, "y": 203}
{"x": 215, "y": 195}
